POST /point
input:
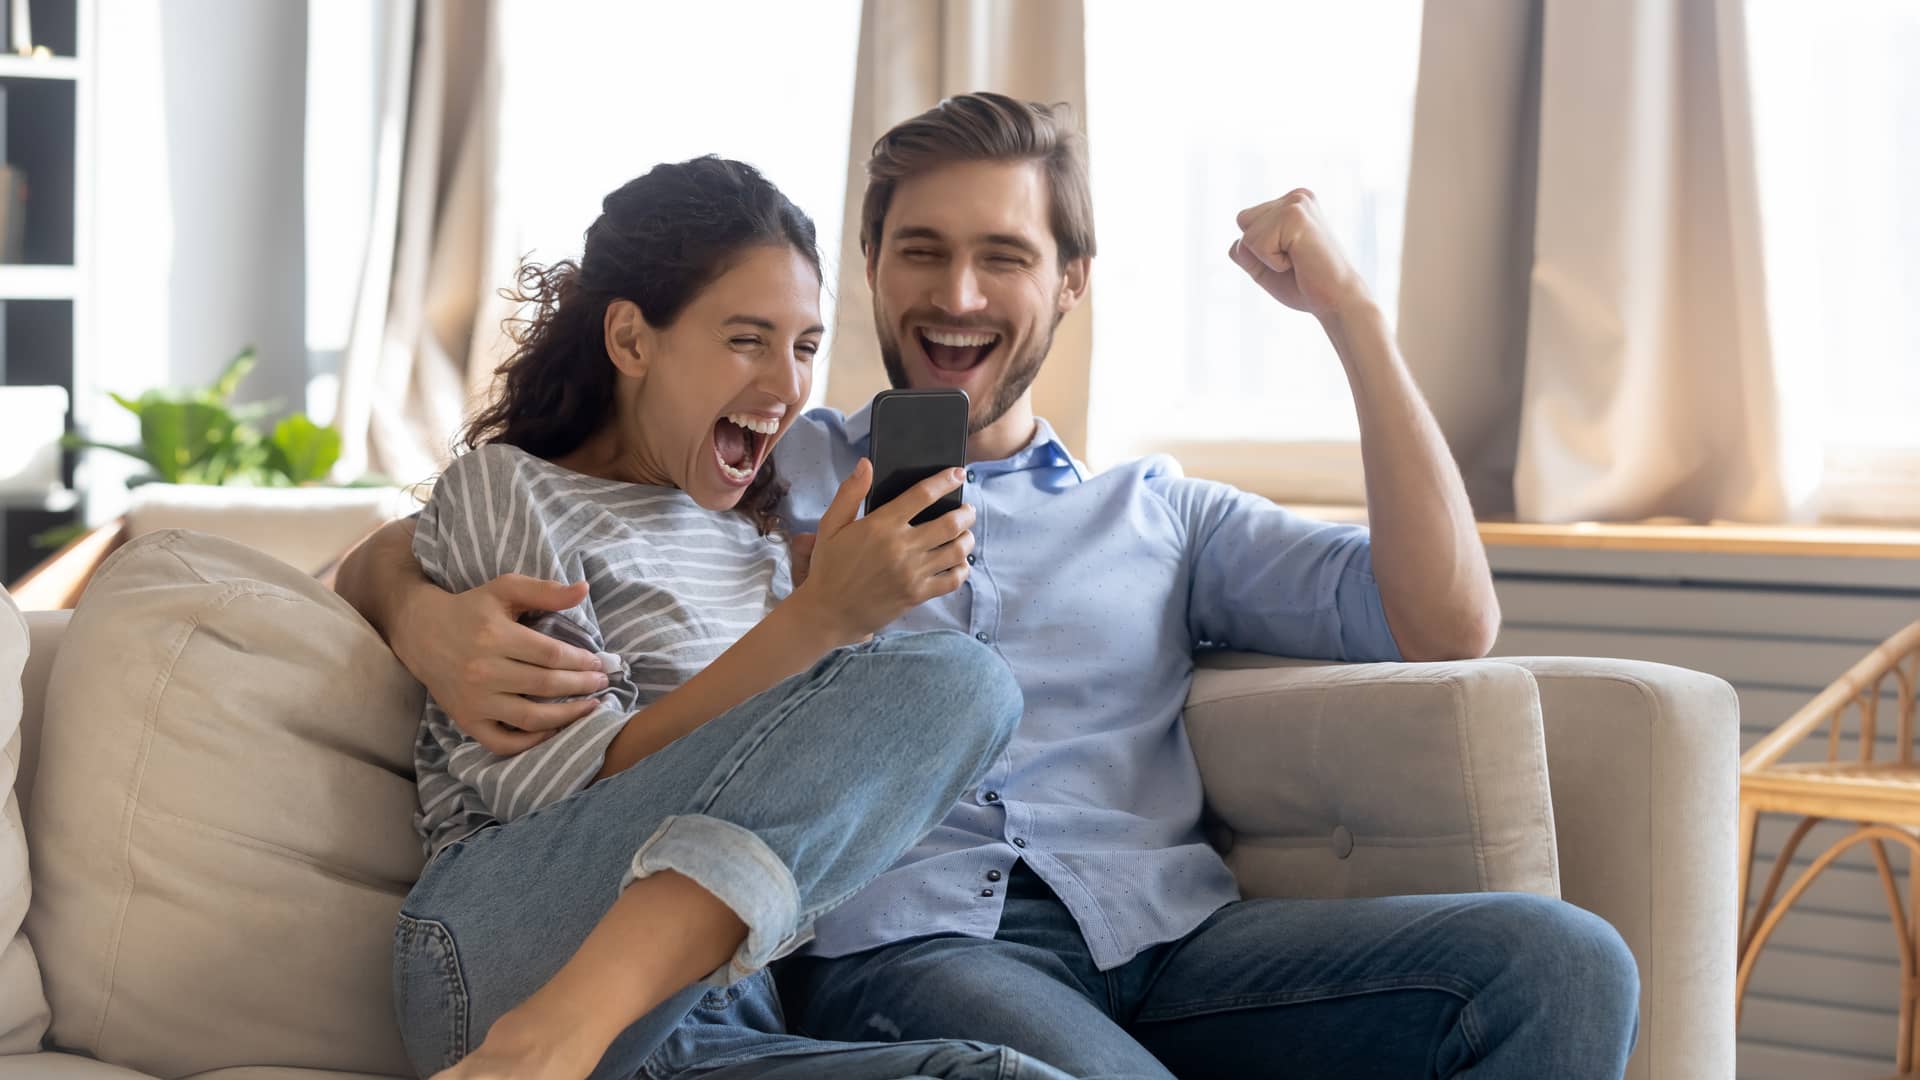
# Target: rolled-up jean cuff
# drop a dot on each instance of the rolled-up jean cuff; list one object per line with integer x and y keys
{"x": 742, "y": 872}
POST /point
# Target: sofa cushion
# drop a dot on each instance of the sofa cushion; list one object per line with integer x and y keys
{"x": 221, "y": 822}
{"x": 23, "y": 1006}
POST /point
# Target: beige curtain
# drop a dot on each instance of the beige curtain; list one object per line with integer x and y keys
{"x": 1581, "y": 297}
{"x": 912, "y": 54}
{"x": 422, "y": 348}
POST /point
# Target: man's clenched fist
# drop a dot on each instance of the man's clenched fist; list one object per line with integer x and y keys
{"x": 1286, "y": 246}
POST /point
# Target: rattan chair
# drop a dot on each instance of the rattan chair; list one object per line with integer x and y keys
{"x": 1880, "y": 797}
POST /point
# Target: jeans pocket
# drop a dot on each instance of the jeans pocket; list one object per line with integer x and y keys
{"x": 429, "y": 994}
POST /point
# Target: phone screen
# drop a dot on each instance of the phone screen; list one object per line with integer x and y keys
{"x": 916, "y": 433}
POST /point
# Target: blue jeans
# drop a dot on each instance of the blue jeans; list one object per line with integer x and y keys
{"x": 1483, "y": 986}
{"x": 782, "y": 807}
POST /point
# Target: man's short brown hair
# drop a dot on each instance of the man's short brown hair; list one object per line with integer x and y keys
{"x": 986, "y": 127}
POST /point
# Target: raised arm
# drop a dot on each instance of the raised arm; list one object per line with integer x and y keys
{"x": 469, "y": 649}
{"x": 1427, "y": 557}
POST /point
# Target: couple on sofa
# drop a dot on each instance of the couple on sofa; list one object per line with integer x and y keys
{"x": 936, "y": 771}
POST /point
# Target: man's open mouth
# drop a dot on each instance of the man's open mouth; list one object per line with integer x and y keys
{"x": 956, "y": 350}
{"x": 740, "y": 441}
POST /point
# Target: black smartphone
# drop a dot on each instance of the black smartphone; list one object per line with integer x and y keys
{"x": 916, "y": 433}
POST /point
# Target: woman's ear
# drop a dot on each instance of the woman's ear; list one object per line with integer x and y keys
{"x": 628, "y": 338}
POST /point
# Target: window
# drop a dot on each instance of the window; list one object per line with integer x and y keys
{"x": 1187, "y": 129}
{"x": 595, "y": 94}
{"x": 1836, "y": 108}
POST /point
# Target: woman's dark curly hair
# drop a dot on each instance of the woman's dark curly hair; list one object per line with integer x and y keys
{"x": 659, "y": 240}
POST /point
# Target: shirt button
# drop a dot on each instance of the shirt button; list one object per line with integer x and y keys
{"x": 993, "y": 875}
{"x": 969, "y": 560}
{"x": 991, "y": 796}
{"x": 1019, "y": 842}
{"x": 986, "y": 892}
{"x": 970, "y": 477}
{"x": 981, "y": 637}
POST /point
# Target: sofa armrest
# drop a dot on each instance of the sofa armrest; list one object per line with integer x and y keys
{"x": 1375, "y": 779}
{"x": 61, "y": 577}
{"x": 1645, "y": 761}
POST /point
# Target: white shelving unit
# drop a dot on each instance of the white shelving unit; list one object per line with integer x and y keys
{"x": 25, "y": 282}
{"x": 43, "y": 295}
{"x": 51, "y": 67}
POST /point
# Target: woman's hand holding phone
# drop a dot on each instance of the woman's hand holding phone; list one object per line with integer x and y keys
{"x": 868, "y": 571}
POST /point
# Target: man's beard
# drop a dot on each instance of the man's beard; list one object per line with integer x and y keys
{"x": 1019, "y": 374}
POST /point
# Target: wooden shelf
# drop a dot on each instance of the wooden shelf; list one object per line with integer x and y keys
{"x": 1727, "y": 538}
{"x": 1829, "y": 541}
{"x": 25, "y": 67}
{"x": 25, "y": 281}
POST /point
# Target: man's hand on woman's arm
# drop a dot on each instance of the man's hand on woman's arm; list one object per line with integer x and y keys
{"x": 469, "y": 649}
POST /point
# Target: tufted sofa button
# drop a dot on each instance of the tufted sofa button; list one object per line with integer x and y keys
{"x": 1341, "y": 842}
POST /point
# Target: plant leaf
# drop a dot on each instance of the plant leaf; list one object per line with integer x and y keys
{"x": 182, "y": 434}
{"x": 255, "y": 410}
{"x": 302, "y": 450}
{"x": 229, "y": 380}
{"x": 131, "y": 406}
{"x": 75, "y": 442}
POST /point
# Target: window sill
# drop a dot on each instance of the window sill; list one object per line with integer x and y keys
{"x": 1809, "y": 541}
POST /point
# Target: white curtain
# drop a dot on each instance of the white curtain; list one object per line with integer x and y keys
{"x": 1582, "y": 298}
{"x": 913, "y": 53}
{"x": 423, "y": 346}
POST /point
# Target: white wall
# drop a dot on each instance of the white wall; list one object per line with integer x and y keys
{"x": 199, "y": 222}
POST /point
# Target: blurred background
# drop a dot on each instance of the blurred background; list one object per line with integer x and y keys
{"x": 1655, "y": 264}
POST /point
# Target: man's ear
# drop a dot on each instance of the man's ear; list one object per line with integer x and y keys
{"x": 1073, "y": 283}
{"x": 628, "y": 338}
{"x": 873, "y": 263}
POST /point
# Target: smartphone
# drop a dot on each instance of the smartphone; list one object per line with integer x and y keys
{"x": 916, "y": 433}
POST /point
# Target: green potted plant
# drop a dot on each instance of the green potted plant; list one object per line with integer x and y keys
{"x": 202, "y": 437}
{"x": 212, "y": 466}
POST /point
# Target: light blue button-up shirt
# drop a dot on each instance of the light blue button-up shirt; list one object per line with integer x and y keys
{"x": 1096, "y": 590}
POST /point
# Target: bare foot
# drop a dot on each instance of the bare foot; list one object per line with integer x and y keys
{"x": 518, "y": 1048}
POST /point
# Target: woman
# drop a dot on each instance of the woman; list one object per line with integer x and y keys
{"x": 604, "y": 903}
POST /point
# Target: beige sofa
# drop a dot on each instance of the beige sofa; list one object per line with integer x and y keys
{"x": 212, "y": 761}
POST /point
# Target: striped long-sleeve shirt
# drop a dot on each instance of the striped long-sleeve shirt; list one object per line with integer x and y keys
{"x": 670, "y": 586}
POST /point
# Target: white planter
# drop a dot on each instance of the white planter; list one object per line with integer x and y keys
{"x": 307, "y": 527}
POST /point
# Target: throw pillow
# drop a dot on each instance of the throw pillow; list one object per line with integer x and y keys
{"x": 222, "y": 818}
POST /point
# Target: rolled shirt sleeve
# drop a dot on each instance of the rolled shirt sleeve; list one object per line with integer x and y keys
{"x": 1267, "y": 580}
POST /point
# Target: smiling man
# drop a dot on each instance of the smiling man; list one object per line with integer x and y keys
{"x": 1070, "y": 907}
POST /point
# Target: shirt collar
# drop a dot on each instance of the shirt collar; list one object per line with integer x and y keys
{"x": 1043, "y": 450}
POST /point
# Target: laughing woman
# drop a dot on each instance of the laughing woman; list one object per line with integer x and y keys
{"x": 604, "y": 902}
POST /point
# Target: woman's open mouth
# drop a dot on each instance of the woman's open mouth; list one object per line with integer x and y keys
{"x": 956, "y": 352}
{"x": 740, "y": 444}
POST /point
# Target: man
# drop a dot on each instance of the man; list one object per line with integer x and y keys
{"x": 1070, "y": 908}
